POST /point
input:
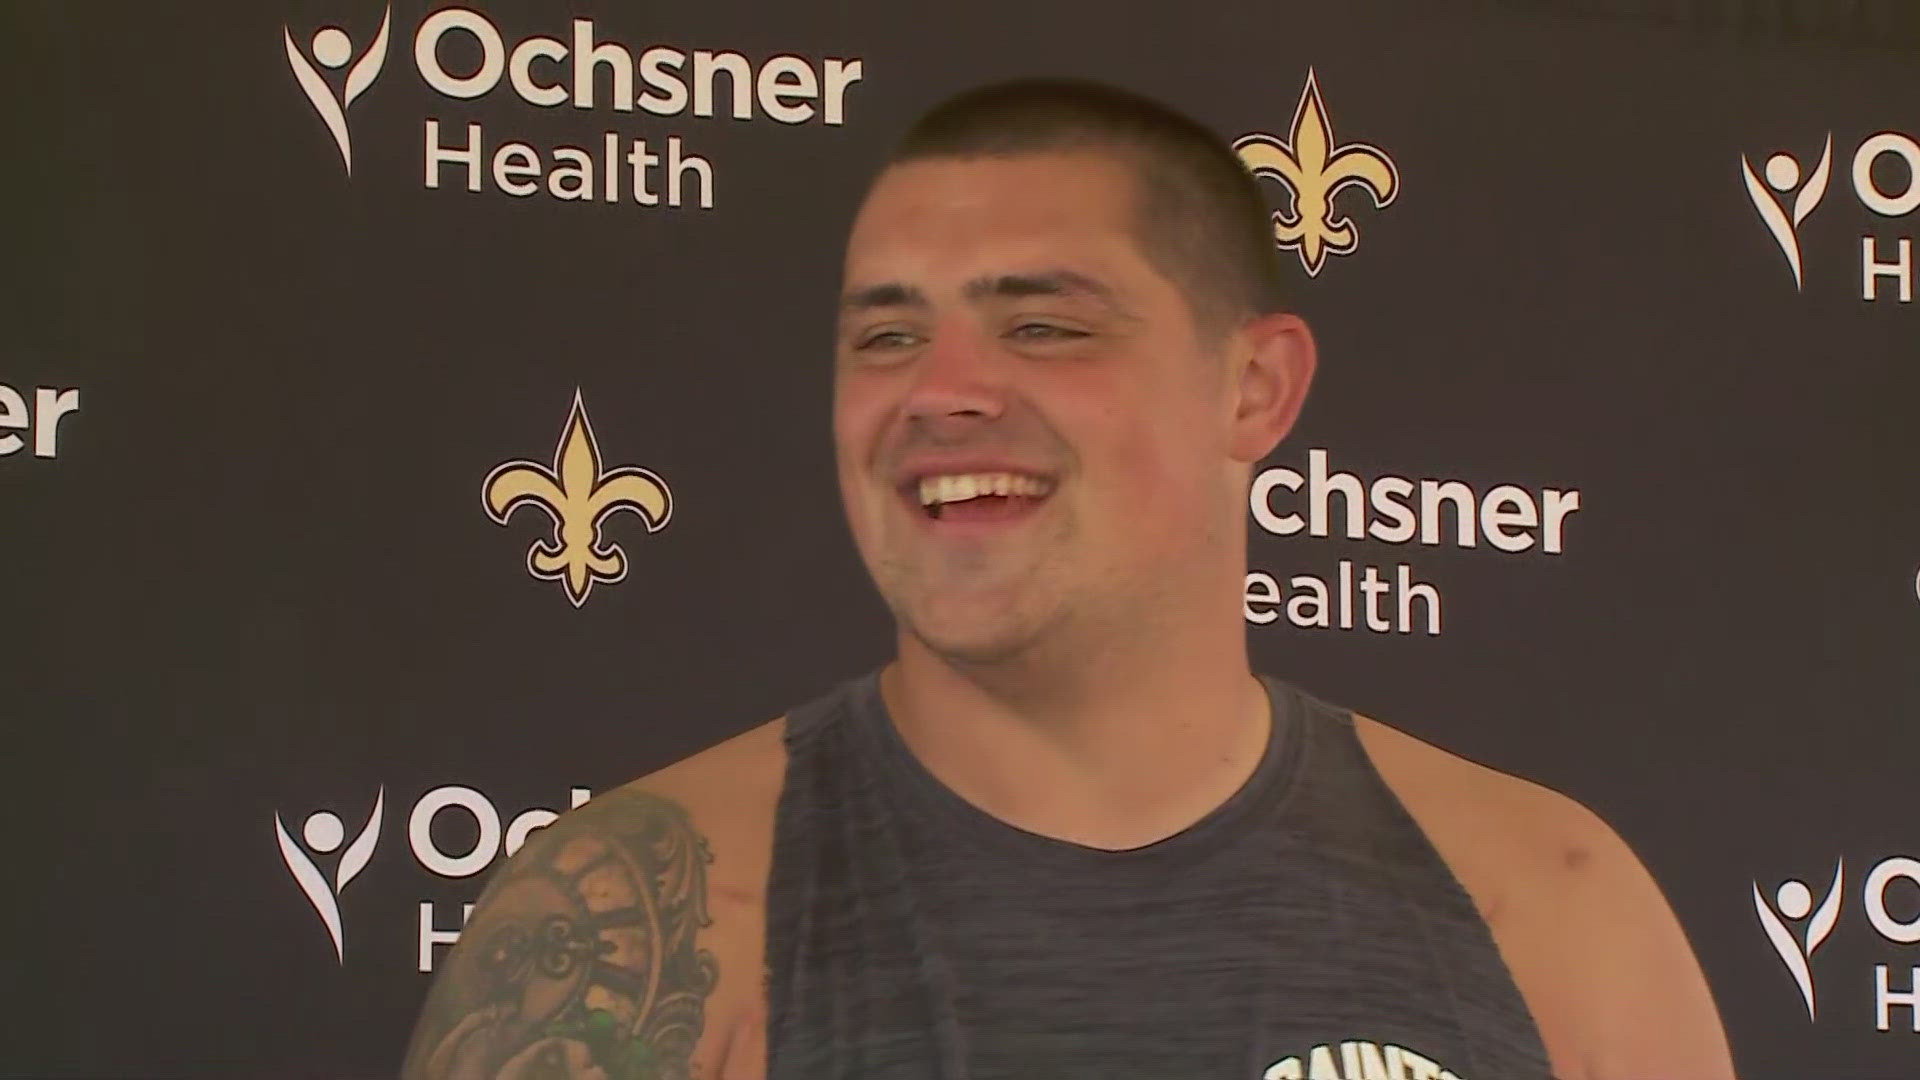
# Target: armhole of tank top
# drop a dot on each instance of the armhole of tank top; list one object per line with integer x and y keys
{"x": 1348, "y": 724}
{"x": 795, "y": 860}
{"x": 1345, "y": 721}
{"x": 806, "y": 722}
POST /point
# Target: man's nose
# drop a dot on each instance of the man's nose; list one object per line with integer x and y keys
{"x": 958, "y": 374}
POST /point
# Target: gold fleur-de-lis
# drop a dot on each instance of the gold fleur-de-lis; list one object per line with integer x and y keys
{"x": 578, "y": 497}
{"x": 1315, "y": 170}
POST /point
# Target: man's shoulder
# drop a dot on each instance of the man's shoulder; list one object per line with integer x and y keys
{"x": 626, "y": 932}
{"x": 1589, "y": 938}
{"x": 744, "y": 769}
{"x": 1524, "y": 852}
{"x": 1499, "y": 828}
{"x": 727, "y": 794}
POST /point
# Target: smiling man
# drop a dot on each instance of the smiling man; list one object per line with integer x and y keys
{"x": 1067, "y": 831}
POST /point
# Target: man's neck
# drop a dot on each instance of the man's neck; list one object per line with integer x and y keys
{"x": 1118, "y": 749}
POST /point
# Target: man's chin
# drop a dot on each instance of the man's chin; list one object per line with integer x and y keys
{"x": 973, "y": 635}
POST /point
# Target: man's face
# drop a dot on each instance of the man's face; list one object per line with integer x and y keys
{"x": 1029, "y": 432}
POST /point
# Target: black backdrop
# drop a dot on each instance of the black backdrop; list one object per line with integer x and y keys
{"x": 250, "y": 578}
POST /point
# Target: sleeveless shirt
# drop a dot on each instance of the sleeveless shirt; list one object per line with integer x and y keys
{"x": 1304, "y": 930}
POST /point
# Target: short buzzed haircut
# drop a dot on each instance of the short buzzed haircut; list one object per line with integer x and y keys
{"x": 1201, "y": 218}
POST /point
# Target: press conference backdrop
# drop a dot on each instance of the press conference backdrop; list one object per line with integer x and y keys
{"x": 413, "y": 421}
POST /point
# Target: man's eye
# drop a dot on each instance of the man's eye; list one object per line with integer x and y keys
{"x": 886, "y": 339}
{"x": 1044, "y": 332}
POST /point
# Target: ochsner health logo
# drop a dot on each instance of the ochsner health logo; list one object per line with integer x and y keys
{"x": 1891, "y": 919}
{"x": 1783, "y": 175}
{"x": 1795, "y": 900}
{"x": 333, "y": 48}
{"x": 1884, "y": 172}
{"x": 324, "y": 833}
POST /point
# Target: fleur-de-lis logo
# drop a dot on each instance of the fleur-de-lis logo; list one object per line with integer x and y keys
{"x": 578, "y": 497}
{"x": 1314, "y": 171}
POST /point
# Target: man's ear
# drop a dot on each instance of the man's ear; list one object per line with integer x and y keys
{"x": 1273, "y": 368}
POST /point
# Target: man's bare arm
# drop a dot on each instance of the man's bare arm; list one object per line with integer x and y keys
{"x": 1591, "y": 942}
{"x": 1643, "y": 1003}
{"x": 583, "y": 955}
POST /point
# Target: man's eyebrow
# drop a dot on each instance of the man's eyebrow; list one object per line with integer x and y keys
{"x": 996, "y": 286}
{"x": 887, "y": 294}
{"x": 1042, "y": 283}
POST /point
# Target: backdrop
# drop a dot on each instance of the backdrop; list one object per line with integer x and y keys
{"x": 1607, "y": 479}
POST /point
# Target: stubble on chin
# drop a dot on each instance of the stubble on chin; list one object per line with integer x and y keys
{"x": 974, "y": 631}
{"x": 971, "y": 613}
{"x": 981, "y": 604}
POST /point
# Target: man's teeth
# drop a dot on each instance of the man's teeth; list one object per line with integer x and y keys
{"x": 935, "y": 490}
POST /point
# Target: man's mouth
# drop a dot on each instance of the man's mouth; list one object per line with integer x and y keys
{"x": 984, "y": 496}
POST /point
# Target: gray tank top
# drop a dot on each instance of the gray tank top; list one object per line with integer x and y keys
{"x": 1305, "y": 929}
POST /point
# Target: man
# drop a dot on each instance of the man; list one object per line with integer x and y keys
{"x": 1067, "y": 832}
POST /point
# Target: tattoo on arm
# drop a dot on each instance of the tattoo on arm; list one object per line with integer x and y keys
{"x": 580, "y": 958}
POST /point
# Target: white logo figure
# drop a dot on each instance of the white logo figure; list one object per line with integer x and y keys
{"x": 1795, "y": 900}
{"x": 324, "y": 832}
{"x": 333, "y": 49}
{"x": 1783, "y": 172}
